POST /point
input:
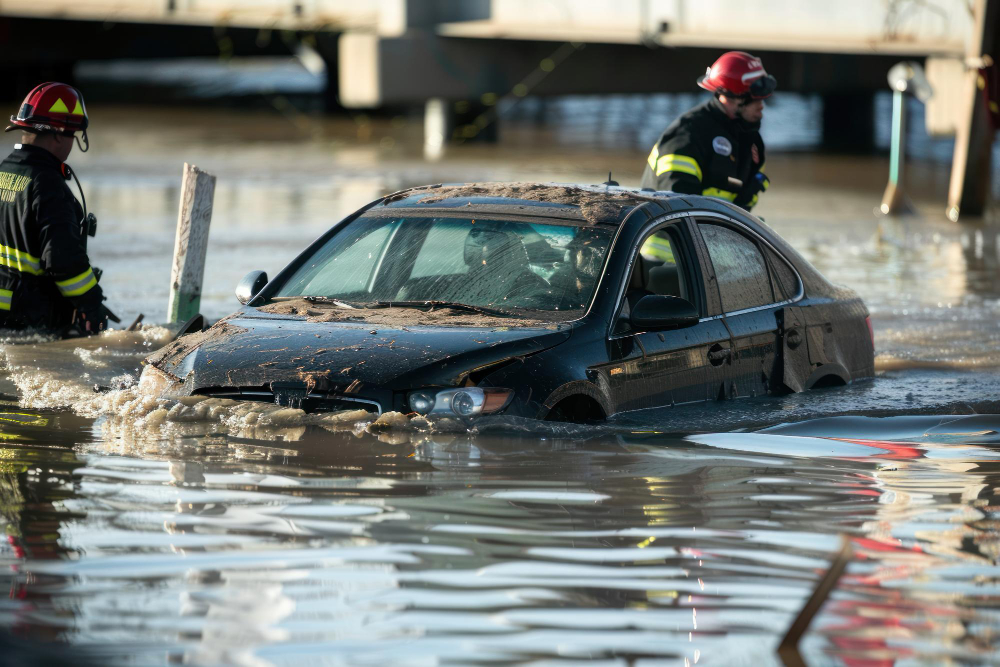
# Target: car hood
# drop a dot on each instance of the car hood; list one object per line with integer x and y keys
{"x": 252, "y": 349}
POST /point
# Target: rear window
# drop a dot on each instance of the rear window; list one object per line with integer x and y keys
{"x": 786, "y": 283}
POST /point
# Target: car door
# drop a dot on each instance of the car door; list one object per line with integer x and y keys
{"x": 750, "y": 307}
{"x": 658, "y": 368}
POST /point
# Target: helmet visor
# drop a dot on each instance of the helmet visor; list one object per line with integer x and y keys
{"x": 763, "y": 86}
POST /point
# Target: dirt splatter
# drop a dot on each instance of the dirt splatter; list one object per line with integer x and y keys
{"x": 183, "y": 346}
{"x": 396, "y": 316}
{"x": 595, "y": 205}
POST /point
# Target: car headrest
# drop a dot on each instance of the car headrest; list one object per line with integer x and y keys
{"x": 664, "y": 280}
{"x": 496, "y": 250}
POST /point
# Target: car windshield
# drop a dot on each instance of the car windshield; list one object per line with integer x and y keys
{"x": 502, "y": 265}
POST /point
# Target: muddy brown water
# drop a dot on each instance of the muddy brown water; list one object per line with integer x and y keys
{"x": 140, "y": 533}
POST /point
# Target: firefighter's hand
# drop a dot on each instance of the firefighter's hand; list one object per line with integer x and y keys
{"x": 760, "y": 182}
{"x": 91, "y": 320}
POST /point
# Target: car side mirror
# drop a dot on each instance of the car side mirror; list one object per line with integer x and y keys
{"x": 250, "y": 286}
{"x": 655, "y": 312}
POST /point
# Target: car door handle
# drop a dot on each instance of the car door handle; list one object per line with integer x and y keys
{"x": 718, "y": 355}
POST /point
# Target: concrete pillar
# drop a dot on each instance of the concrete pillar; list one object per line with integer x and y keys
{"x": 849, "y": 122}
{"x": 970, "y": 166}
{"x": 448, "y": 121}
{"x": 438, "y": 125}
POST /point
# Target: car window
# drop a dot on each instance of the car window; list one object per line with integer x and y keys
{"x": 350, "y": 269}
{"x": 436, "y": 256}
{"x": 503, "y": 264}
{"x": 786, "y": 284}
{"x": 661, "y": 271}
{"x": 657, "y": 269}
{"x": 739, "y": 268}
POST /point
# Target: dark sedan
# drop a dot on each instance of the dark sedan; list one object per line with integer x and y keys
{"x": 543, "y": 301}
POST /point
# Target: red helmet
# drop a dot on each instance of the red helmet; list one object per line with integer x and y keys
{"x": 738, "y": 74}
{"x": 51, "y": 107}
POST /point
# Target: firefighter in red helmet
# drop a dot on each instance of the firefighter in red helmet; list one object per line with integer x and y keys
{"x": 46, "y": 281}
{"x": 715, "y": 149}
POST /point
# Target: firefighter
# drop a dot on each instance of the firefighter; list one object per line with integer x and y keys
{"x": 46, "y": 281}
{"x": 715, "y": 149}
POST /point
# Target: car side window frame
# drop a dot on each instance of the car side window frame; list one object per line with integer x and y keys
{"x": 760, "y": 243}
{"x": 689, "y": 259}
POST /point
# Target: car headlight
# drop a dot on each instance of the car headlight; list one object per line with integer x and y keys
{"x": 466, "y": 402}
{"x": 422, "y": 402}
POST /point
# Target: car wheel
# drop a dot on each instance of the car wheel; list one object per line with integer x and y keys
{"x": 578, "y": 409}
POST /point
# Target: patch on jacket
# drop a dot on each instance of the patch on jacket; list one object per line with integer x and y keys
{"x": 755, "y": 154}
{"x": 722, "y": 146}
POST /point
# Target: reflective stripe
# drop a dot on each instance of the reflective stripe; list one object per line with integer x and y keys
{"x": 5, "y": 298}
{"x": 20, "y": 261}
{"x": 721, "y": 194}
{"x": 77, "y": 285}
{"x": 761, "y": 170}
{"x": 765, "y": 184}
{"x": 659, "y": 249}
{"x": 652, "y": 157}
{"x": 753, "y": 201}
{"x": 678, "y": 163}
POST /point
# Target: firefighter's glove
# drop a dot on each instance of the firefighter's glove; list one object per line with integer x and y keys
{"x": 760, "y": 183}
{"x": 91, "y": 320}
{"x": 91, "y": 314}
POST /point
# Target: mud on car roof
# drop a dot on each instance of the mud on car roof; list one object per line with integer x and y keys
{"x": 597, "y": 204}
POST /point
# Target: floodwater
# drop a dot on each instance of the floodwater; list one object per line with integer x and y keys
{"x": 141, "y": 533}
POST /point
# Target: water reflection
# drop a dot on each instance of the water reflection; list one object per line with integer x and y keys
{"x": 489, "y": 548}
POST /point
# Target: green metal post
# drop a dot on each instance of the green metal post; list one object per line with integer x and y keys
{"x": 893, "y": 201}
{"x": 898, "y": 138}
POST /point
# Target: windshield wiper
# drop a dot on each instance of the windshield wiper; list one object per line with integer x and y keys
{"x": 326, "y": 299}
{"x": 456, "y": 305}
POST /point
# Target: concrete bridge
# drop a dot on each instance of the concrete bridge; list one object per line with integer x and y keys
{"x": 404, "y": 51}
{"x": 473, "y": 52}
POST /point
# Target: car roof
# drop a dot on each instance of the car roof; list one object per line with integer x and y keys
{"x": 607, "y": 204}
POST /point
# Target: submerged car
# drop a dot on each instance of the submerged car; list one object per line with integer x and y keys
{"x": 533, "y": 300}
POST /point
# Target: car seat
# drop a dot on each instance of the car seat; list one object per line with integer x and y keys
{"x": 666, "y": 280}
{"x": 498, "y": 267}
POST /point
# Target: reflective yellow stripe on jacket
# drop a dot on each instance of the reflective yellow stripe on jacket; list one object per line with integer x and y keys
{"x": 657, "y": 249}
{"x": 20, "y": 261}
{"x": 673, "y": 162}
{"x": 721, "y": 194}
{"x": 5, "y": 298}
{"x": 77, "y": 285}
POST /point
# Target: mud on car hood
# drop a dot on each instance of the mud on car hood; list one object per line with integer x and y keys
{"x": 251, "y": 349}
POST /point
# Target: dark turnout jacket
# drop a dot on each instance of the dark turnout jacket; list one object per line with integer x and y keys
{"x": 704, "y": 152}
{"x": 44, "y": 270}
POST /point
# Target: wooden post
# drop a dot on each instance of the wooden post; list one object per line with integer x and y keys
{"x": 788, "y": 649}
{"x": 193, "y": 220}
{"x": 970, "y": 167}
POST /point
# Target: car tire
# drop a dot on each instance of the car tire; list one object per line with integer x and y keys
{"x": 578, "y": 409}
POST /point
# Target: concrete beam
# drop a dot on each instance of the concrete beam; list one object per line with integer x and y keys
{"x": 408, "y": 70}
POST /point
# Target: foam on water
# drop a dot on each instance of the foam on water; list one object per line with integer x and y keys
{"x": 98, "y": 378}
